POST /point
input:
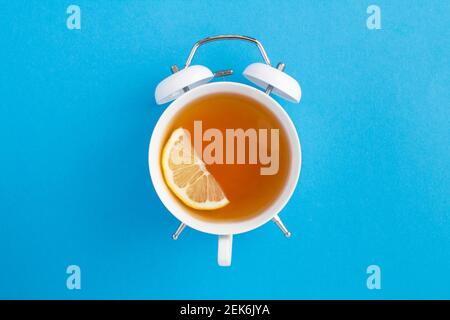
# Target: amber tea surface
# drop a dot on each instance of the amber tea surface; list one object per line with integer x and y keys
{"x": 249, "y": 192}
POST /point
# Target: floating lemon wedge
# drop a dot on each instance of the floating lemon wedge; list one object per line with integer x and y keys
{"x": 186, "y": 175}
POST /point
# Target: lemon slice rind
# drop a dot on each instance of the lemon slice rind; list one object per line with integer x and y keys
{"x": 194, "y": 172}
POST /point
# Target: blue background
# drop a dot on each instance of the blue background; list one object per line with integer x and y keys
{"x": 77, "y": 110}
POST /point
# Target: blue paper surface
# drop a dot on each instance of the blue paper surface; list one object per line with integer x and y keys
{"x": 77, "y": 110}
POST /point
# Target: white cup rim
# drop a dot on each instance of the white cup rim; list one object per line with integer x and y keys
{"x": 175, "y": 207}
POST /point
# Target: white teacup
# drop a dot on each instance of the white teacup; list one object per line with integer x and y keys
{"x": 225, "y": 230}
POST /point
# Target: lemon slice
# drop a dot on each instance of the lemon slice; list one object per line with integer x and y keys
{"x": 186, "y": 175}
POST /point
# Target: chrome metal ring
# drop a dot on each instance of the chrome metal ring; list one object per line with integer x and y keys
{"x": 227, "y": 37}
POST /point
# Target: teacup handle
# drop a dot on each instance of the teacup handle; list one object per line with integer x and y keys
{"x": 225, "y": 250}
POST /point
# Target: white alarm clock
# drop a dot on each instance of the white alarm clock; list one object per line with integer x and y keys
{"x": 193, "y": 82}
